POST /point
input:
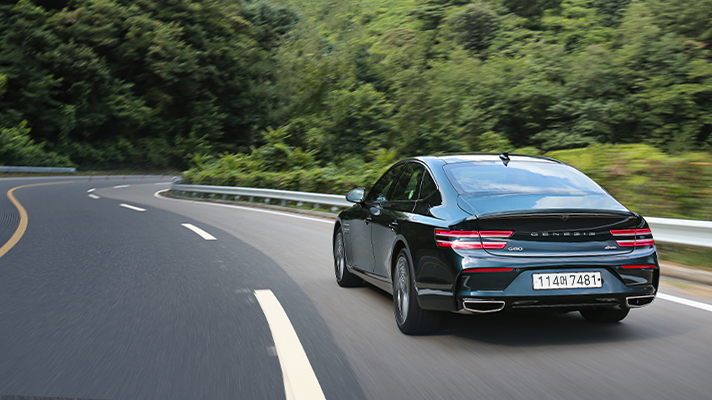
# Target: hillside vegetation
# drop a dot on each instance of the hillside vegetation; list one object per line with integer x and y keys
{"x": 322, "y": 95}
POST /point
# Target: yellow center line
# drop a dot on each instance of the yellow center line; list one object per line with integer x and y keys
{"x": 23, "y": 216}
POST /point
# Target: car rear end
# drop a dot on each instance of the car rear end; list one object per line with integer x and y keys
{"x": 545, "y": 236}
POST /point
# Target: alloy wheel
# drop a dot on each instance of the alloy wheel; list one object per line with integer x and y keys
{"x": 402, "y": 292}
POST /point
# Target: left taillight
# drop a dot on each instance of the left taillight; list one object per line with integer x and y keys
{"x": 633, "y": 237}
{"x": 472, "y": 240}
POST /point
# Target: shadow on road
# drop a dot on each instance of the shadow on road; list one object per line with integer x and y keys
{"x": 541, "y": 329}
{"x": 526, "y": 329}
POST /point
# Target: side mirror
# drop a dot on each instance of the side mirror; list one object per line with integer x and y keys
{"x": 356, "y": 195}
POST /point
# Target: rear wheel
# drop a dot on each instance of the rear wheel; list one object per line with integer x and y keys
{"x": 343, "y": 277}
{"x": 411, "y": 319}
{"x": 604, "y": 315}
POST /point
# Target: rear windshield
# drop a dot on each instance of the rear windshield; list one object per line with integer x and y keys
{"x": 519, "y": 177}
{"x": 490, "y": 187}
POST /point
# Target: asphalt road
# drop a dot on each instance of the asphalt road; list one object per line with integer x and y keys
{"x": 103, "y": 301}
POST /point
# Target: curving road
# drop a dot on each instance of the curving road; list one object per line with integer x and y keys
{"x": 113, "y": 292}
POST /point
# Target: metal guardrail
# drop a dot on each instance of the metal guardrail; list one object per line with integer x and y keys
{"x": 40, "y": 170}
{"x": 318, "y": 199}
{"x": 681, "y": 231}
{"x": 665, "y": 230}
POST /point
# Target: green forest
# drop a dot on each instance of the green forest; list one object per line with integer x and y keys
{"x": 324, "y": 94}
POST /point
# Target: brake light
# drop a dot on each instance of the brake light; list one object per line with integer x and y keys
{"x": 638, "y": 266}
{"x": 472, "y": 240}
{"x": 633, "y": 237}
{"x": 488, "y": 270}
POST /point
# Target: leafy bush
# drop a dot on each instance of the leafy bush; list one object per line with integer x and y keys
{"x": 18, "y": 149}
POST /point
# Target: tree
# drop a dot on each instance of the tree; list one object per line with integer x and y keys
{"x": 475, "y": 26}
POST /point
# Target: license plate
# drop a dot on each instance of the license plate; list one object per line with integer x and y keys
{"x": 567, "y": 280}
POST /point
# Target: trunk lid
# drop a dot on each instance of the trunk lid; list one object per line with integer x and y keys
{"x": 562, "y": 234}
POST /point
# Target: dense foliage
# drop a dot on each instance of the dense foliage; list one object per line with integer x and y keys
{"x": 422, "y": 76}
{"x": 140, "y": 82}
{"x": 310, "y": 94}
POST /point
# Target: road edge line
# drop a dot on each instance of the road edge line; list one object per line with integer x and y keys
{"x": 686, "y": 302}
{"x": 255, "y": 209}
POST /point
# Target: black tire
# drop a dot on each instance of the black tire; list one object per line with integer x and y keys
{"x": 604, "y": 315}
{"x": 411, "y": 319}
{"x": 343, "y": 277}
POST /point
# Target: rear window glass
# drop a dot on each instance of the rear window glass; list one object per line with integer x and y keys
{"x": 519, "y": 177}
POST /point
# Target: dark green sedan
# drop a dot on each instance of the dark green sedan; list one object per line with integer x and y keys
{"x": 483, "y": 233}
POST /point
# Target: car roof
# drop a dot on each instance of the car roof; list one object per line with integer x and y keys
{"x": 484, "y": 157}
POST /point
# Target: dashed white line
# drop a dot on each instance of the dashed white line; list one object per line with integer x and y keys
{"x": 130, "y": 207}
{"x": 162, "y": 183}
{"x": 93, "y": 196}
{"x": 200, "y": 232}
{"x": 300, "y": 382}
{"x": 690, "y": 303}
{"x": 91, "y": 190}
{"x": 121, "y": 186}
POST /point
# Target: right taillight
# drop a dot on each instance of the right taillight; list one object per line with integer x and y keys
{"x": 633, "y": 237}
{"x": 472, "y": 240}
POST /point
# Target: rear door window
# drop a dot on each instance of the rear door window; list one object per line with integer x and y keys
{"x": 381, "y": 190}
{"x": 406, "y": 189}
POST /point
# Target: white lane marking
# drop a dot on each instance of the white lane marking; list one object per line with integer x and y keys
{"x": 93, "y": 196}
{"x": 200, "y": 232}
{"x": 121, "y": 186}
{"x": 680, "y": 300}
{"x": 300, "y": 382}
{"x": 91, "y": 190}
{"x": 130, "y": 207}
{"x": 330, "y": 222}
{"x": 162, "y": 183}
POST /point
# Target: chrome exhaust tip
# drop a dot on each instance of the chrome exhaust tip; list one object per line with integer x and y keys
{"x": 639, "y": 301}
{"x": 482, "y": 306}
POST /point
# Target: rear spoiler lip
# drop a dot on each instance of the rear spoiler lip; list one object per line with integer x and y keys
{"x": 555, "y": 213}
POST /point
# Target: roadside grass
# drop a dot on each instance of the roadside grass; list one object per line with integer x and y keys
{"x": 685, "y": 255}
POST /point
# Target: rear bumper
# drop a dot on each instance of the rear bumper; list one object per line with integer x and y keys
{"x": 520, "y": 294}
{"x": 513, "y": 282}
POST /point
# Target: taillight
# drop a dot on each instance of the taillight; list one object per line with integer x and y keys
{"x": 472, "y": 240}
{"x": 638, "y": 266}
{"x": 633, "y": 237}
